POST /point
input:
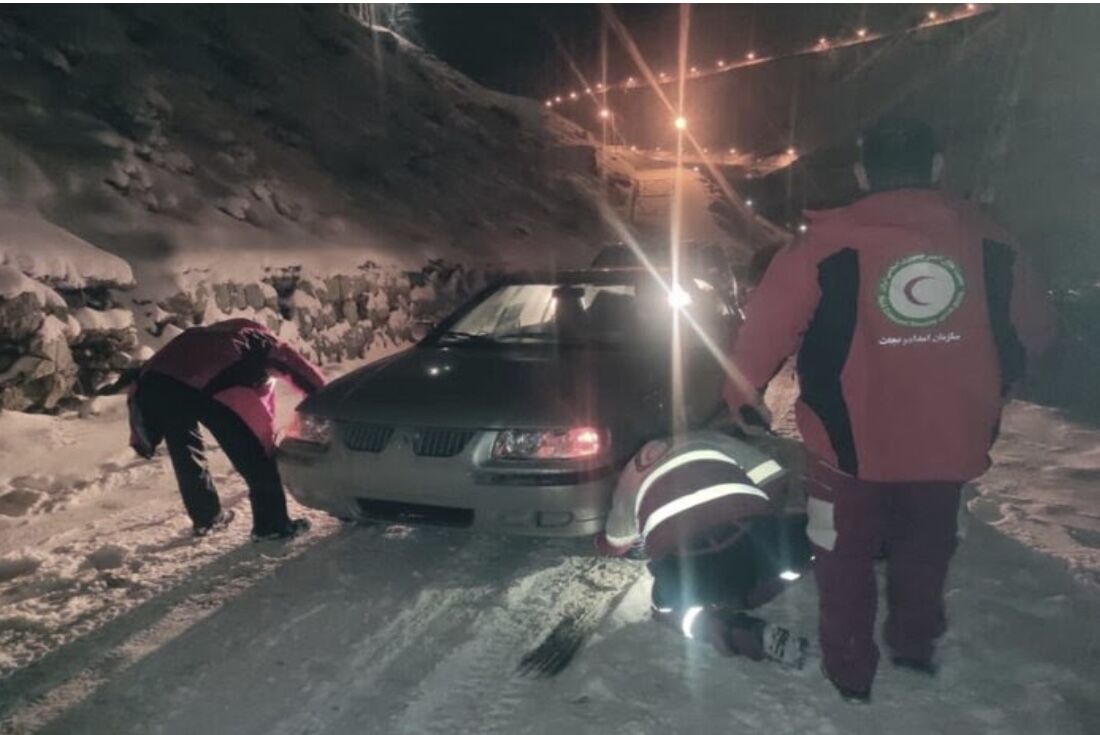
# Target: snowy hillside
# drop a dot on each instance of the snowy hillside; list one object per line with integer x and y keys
{"x": 236, "y": 160}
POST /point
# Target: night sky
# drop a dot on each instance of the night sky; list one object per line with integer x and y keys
{"x": 791, "y": 102}
{"x": 510, "y": 47}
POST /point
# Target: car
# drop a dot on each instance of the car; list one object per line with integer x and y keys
{"x": 517, "y": 412}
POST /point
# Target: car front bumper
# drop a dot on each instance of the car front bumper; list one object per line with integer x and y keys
{"x": 396, "y": 485}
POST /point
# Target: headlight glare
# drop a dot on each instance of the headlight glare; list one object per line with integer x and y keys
{"x": 578, "y": 443}
{"x": 310, "y": 428}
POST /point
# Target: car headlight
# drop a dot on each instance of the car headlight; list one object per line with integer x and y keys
{"x": 580, "y": 443}
{"x": 308, "y": 427}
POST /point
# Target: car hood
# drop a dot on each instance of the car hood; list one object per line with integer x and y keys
{"x": 491, "y": 387}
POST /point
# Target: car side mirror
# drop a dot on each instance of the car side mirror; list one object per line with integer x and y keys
{"x": 422, "y": 328}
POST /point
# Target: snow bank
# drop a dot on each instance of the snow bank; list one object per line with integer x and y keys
{"x": 44, "y": 251}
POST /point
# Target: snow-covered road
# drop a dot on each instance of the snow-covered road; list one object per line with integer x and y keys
{"x": 113, "y": 620}
{"x": 396, "y": 631}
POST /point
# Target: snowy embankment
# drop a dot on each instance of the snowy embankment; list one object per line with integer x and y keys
{"x": 113, "y": 620}
{"x": 338, "y": 194}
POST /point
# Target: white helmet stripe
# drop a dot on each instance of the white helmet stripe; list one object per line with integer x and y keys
{"x": 679, "y": 461}
{"x": 687, "y": 502}
{"x": 764, "y": 471}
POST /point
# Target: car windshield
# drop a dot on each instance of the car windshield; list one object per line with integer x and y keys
{"x": 608, "y": 314}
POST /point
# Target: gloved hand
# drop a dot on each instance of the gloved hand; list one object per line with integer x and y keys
{"x": 753, "y": 420}
{"x": 748, "y": 421}
{"x": 604, "y": 547}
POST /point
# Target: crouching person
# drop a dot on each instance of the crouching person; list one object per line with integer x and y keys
{"x": 706, "y": 511}
{"x": 220, "y": 376}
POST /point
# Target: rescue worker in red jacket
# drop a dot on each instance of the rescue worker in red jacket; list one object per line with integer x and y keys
{"x": 705, "y": 510}
{"x": 912, "y": 313}
{"x": 220, "y": 376}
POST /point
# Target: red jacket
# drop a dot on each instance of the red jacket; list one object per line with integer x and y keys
{"x": 911, "y": 313}
{"x": 233, "y": 361}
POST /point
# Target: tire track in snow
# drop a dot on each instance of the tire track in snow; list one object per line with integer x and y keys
{"x": 37, "y": 695}
{"x": 475, "y": 687}
{"x": 455, "y": 590}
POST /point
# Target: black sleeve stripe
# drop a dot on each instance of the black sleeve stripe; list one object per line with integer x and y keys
{"x": 825, "y": 349}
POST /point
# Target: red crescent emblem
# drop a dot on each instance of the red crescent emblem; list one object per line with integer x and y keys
{"x": 908, "y": 290}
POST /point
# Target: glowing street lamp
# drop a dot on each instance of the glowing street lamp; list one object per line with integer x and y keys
{"x": 721, "y": 63}
{"x": 605, "y": 113}
{"x": 588, "y": 90}
{"x": 680, "y": 123}
{"x": 748, "y": 203}
{"x": 791, "y": 151}
{"x": 694, "y": 70}
{"x": 932, "y": 15}
{"x": 862, "y": 33}
{"x": 733, "y": 151}
{"x": 572, "y": 95}
{"x": 557, "y": 99}
{"x": 751, "y": 56}
{"x": 549, "y": 103}
{"x": 599, "y": 85}
{"x": 822, "y": 42}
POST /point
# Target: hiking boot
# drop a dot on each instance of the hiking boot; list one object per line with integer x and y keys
{"x": 294, "y": 527}
{"x": 853, "y": 696}
{"x": 925, "y": 666}
{"x": 219, "y": 523}
{"x": 848, "y": 694}
{"x": 699, "y": 623}
{"x": 784, "y": 647}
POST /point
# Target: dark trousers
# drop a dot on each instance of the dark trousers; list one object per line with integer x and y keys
{"x": 743, "y": 575}
{"x": 175, "y": 410}
{"x": 852, "y": 523}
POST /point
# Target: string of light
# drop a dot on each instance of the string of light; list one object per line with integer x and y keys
{"x": 824, "y": 44}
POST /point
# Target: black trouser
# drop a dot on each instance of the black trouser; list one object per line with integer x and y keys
{"x": 743, "y": 575}
{"x": 175, "y": 410}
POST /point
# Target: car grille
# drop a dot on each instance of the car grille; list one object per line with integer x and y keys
{"x": 366, "y": 437}
{"x": 441, "y": 442}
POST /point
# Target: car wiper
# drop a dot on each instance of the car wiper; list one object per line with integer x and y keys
{"x": 532, "y": 336}
{"x": 469, "y": 336}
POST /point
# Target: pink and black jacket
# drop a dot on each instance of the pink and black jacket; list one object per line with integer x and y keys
{"x": 231, "y": 362}
{"x": 911, "y": 313}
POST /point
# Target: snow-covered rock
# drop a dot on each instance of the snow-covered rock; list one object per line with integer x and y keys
{"x": 13, "y": 283}
{"x": 93, "y": 321}
{"x": 110, "y": 556}
{"x": 43, "y": 374}
{"x": 20, "y": 317}
{"x": 48, "y": 253}
{"x": 18, "y": 565}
